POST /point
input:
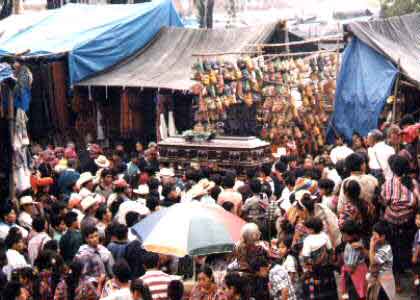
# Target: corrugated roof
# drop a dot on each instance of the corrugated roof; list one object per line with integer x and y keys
{"x": 166, "y": 62}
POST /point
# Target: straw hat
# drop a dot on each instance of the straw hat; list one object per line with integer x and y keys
{"x": 25, "y": 200}
{"x": 166, "y": 172}
{"x": 84, "y": 177}
{"x": 102, "y": 162}
{"x": 143, "y": 189}
{"x": 88, "y": 202}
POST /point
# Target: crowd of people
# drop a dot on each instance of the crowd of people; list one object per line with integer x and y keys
{"x": 342, "y": 225}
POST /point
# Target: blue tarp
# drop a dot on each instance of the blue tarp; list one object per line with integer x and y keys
{"x": 6, "y": 72}
{"x": 364, "y": 83}
{"x": 94, "y": 36}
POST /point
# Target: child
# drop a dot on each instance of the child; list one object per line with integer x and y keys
{"x": 287, "y": 260}
{"x": 380, "y": 277}
{"x": 416, "y": 255}
{"x": 354, "y": 270}
{"x": 326, "y": 188}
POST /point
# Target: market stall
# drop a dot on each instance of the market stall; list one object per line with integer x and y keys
{"x": 286, "y": 98}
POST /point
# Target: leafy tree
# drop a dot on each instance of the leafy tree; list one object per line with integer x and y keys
{"x": 391, "y": 8}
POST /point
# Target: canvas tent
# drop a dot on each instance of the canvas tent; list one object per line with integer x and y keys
{"x": 94, "y": 36}
{"x": 166, "y": 62}
{"x": 371, "y": 61}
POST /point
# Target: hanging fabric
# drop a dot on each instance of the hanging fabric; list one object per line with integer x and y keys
{"x": 163, "y": 129}
{"x": 171, "y": 123}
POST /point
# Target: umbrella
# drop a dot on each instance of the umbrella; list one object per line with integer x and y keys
{"x": 190, "y": 228}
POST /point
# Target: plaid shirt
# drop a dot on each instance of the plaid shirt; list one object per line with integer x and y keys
{"x": 280, "y": 280}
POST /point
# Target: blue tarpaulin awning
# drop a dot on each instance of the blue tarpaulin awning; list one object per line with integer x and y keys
{"x": 364, "y": 83}
{"x": 95, "y": 36}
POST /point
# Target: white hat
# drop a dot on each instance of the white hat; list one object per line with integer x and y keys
{"x": 143, "y": 189}
{"x": 102, "y": 162}
{"x": 88, "y": 202}
{"x": 166, "y": 172}
{"x": 84, "y": 177}
{"x": 26, "y": 200}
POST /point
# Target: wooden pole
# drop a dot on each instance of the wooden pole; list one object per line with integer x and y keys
{"x": 394, "y": 104}
{"x": 317, "y": 40}
{"x": 11, "y": 116}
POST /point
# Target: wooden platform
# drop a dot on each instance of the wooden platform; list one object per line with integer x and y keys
{"x": 226, "y": 152}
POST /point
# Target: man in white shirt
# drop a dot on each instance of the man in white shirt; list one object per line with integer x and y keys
{"x": 379, "y": 153}
{"x": 8, "y": 221}
{"x": 340, "y": 151}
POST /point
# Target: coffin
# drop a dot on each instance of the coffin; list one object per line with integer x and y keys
{"x": 225, "y": 152}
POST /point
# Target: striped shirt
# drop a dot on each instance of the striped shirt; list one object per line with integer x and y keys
{"x": 158, "y": 282}
{"x": 400, "y": 202}
{"x": 384, "y": 258}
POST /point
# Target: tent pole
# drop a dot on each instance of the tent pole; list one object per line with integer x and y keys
{"x": 394, "y": 104}
{"x": 194, "y": 269}
{"x": 11, "y": 114}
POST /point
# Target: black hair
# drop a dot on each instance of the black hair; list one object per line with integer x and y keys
{"x": 72, "y": 278}
{"x": 12, "y": 290}
{"x": 13, "y": 237}
{"x": 206, "y": 270}
{"x": 3, "y": 258}
{"x": 56, "y": 220}
{"x": 258, "y": 262}
{"x": 51, "y": 245}
{"x": 350, "y": 227}
{"x": 138, "y": 286}
{"x": 255, "y": 186}
{"x": 400, "y": 166}
{"x": 57, "y": 207}
{"x": 50, "y": 260}
{"x": 290, "y": 179}
{"x": 175, "y": 290}
{"x": 315, "y": 224}
{"x": 191, "y": 174}
{"x": 105, "y": 173}
{"x": 121, "y": 232}
{"x": 354, "y": 162}
{"x": 70, "y": 218}
{"x": 101, "y": 212}
{"x": 151, "y": 261}
{"x": 340, "y": 166}
{"x": 215, "y": 192}
{"x": 205, "y": 172}
{"x": 30, "y": 274}
{"x": 228, "y": 206}
{"x": 228, "y": 181}
{"x": 251, "y": 173}
{"x": 266, "y": 189}
{"x": 406, "y": 120}
{"x": 280, "y": 166}
{"x": 217, "y": 179}
{"x": 352, "y": 190}
{"x": 381, "y": 228}
{"x": 152, "y": 201}
{"x": 287, "y": 241}
{"x": 239, "y": 283}
{"x": 154, "y": 184}
{"x": 122, "y": 271}
{"x": 327, "y": 185}
{"x": 167, "y": 189}
{"x": 132, "y": 218}
{"x": 308, "y": 202}
{"x": 266, "y": 169}
{"x": 88, "y": 230}
{"x": 38, "y": 224}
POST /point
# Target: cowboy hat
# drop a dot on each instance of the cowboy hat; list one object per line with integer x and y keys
{"x": 84, "y": 177}
{"x": 88, "y": 202}
{"x": 143, "y": 189}
{"x": 166, "y": 172}
{"x": 102, "y": 162}
{"x": 26, "y": 200}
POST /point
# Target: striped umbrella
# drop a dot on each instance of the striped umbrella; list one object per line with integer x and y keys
{"x": 190, "y": 229}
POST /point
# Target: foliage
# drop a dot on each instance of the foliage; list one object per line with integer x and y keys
{"x": 391, "y": 8}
